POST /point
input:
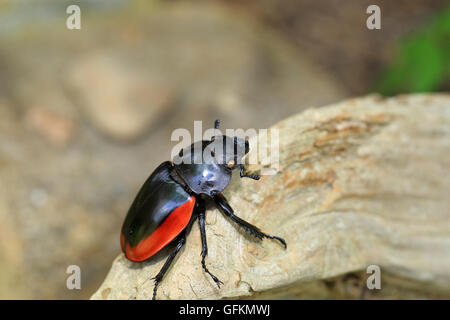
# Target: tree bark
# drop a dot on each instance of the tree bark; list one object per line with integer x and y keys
{"x": 363, "y": 182}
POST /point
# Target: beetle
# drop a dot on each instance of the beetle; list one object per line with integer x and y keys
{"x": 174, "y": 196}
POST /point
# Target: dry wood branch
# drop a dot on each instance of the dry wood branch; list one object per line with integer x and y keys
{"x": 362, "y": 182}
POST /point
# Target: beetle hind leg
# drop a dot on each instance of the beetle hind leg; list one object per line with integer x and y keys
{"x": 162, "y": 272}
{"x": 253, "y": 230}
{"x": 201, "y": 220}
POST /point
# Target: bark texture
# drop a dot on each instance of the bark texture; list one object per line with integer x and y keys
{"x": 362, "y": 182}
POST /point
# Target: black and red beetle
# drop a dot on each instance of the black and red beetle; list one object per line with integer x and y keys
{"x": 174, "y": 196}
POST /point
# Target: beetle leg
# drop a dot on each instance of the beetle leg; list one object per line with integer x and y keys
{"x": 227, "y": 210}
{"x": 244, "y": 175}
{"x": 201, "y": 220}
{"x": 160, "y": 275}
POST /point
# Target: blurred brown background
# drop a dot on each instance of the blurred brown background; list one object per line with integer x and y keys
{"x": 86, "y": 115}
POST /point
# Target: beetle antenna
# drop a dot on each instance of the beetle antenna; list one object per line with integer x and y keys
{"x": 216, "y": 126}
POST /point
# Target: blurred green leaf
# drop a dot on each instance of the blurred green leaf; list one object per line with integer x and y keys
{"x": 422, "y": 61}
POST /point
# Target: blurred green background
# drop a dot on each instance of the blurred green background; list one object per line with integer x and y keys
{"x": 86, "y": 115}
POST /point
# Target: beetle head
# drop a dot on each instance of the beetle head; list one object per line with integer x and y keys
{"x": 229, "y": 151}
{"x": 206, "y": 165}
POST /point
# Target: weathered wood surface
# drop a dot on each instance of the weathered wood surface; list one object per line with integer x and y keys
{"x": 365, "y": 181}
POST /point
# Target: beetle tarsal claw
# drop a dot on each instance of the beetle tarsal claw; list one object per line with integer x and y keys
{"x": 218, "y": 282}
{"x": 281, "y": 240}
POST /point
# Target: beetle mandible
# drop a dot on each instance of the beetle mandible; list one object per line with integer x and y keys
{"x": 174, "y": 196}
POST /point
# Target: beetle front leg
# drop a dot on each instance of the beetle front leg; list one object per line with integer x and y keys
{"x": 201, "y": 220}
{"x": 227, "y": 210}
{"x": 244, "y": 175}
{"x": 160, "y": 275}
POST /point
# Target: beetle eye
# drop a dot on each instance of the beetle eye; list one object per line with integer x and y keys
{"x": 230, "y": 164}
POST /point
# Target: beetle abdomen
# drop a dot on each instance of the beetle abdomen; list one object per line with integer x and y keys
{"x": 163, "y": 235}
{"x": 161, "y": 210}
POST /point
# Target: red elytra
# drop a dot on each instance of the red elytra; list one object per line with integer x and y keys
{"x": 163, "y": 235}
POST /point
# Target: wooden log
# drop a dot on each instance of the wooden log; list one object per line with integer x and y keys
{"x": 363, "y": 182}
